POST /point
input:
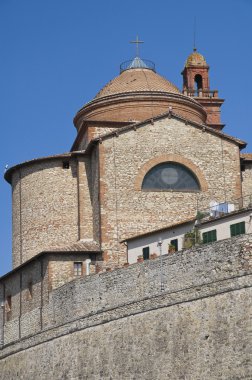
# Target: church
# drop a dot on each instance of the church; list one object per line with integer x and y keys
{"x": 147, "y": 156}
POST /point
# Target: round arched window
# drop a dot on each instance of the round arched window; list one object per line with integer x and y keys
{"x": 170, "y": 176}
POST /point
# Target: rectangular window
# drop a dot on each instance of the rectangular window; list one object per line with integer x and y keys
{"x": 237, "y": 229}
{"x": 209, "y": 236}
{"x": 65, "y": 164}
{"x": 8, "y": 308}
{"x": 174, "y": 243}
{"x": 146, "y": 253}
{"x": 8, "y": 304}
{"x": 77, "y": 269}
{"x": 29, "y": 290}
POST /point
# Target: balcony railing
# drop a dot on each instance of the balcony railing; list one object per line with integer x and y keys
{"x": 201, "y": 93}
{"x": 137, "y": 63}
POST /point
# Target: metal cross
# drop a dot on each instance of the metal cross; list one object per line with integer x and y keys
{"x": 137, "y": 42}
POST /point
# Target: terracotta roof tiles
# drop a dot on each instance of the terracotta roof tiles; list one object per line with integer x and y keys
{"x": 79, "y": 246}
{"x": 137, "y": 80}
{"x": 195, "y": 59}
{"x": 246, "y": 156}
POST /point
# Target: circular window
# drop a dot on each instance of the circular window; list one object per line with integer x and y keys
{"x": 170, "y": 176}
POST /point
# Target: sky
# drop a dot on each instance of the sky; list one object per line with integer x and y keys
{"x": 55, "y": 55}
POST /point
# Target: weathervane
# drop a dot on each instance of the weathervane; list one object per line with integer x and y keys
{"x": 137, "y": 42}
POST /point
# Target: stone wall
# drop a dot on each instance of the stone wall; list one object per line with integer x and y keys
{"x": 247, "y": 183}
{"x": 61, "y": 268}
{"x": 45, "y": 207}
{"x": 28, "y": 289}
{"x": 127, "y": 211}
{"x": 121, "y": 325}
{"x": 92, "y": 132}
{"x": 94, "y": 191}
{"x": 85, "y": 212}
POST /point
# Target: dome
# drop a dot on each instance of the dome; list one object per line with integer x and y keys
{"x": 137, "y": 80}
{"x": 137, "y": 94}
{"x": 195, "y": 59}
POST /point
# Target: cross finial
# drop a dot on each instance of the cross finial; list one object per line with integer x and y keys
{"x": 137, "y": 42}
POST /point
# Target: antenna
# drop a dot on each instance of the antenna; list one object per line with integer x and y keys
{"x": 194, "y": 34}
{"x": 159, "y": 244}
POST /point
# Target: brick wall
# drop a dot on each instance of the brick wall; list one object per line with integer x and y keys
{"x": 138, "y": 107}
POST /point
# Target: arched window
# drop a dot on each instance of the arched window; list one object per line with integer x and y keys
{"x": 198, "y": 82}
{"x": 170, "y": 176}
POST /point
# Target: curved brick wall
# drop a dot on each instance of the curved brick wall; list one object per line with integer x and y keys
{"x": 45, "y": 207}
{"x": 139, "y": 107}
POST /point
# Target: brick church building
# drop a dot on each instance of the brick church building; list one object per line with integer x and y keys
{"x": 146, "y": 156}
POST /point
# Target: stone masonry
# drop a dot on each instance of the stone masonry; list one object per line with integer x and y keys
{"x": 127, "y": 211}
{"x": 120, "y": 325}
{"x": 71, "y": 308}
{"x": 247, "y": 180}
{"x": 45, "y": 208}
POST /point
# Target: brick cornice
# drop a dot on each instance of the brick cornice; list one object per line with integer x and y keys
{"x": 100, "y": 104}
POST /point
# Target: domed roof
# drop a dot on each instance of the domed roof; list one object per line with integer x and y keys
{"x": 137, "y": 80}
{"x": 137, "y": 94}
{"x": 195, "y": 59}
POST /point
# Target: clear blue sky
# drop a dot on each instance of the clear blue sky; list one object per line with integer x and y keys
{"x": 57, "y": 54}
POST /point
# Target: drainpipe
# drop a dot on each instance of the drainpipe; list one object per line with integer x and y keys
{"x": 88, "y": 262}
{"x": 2, "y": 325}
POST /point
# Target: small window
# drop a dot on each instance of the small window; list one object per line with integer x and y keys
{"x": 237, "y": 229}
{"x": 146, "y": 253}
{"x": 209, "y": 236}
{"x": 65, "y": 164}
{"x": 29, "y": 291}
{"x": 77, "y": 269}
{"x": 8, "y": 308}
{"x": 174, "y": 243}
{"x": 8, "y": 304}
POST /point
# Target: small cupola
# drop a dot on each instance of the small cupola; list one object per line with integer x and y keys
{"x": 196, "y": 85}
{"x": 195, "y": 75}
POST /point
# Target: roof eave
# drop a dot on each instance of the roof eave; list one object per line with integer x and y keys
{"x": 9, "y": 172}
{"x": 170, "y": 114}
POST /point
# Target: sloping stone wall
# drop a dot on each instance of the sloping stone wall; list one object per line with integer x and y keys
{"x": 120, "y": 325}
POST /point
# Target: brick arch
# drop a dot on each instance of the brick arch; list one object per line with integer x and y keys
{"x": 170, "y": 158}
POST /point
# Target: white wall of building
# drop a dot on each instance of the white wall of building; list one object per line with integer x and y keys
{"x": 135, "y": 247}
{"x": 221, "y": 225}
